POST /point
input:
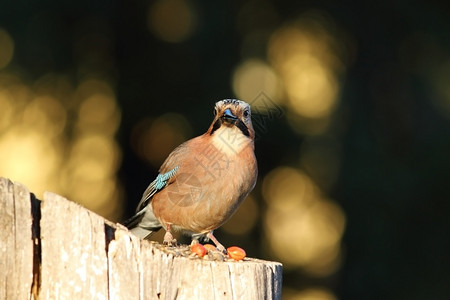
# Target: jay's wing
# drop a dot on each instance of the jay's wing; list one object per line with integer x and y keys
{"x": 144, "y": 222}
{"x": 167, "y": 171}
{"x": 158, "y": 184}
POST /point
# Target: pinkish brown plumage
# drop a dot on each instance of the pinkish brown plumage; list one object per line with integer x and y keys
{"x": 204, "y": 180}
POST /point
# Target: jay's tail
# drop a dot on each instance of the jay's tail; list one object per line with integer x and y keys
{"x": 143, "y": 224}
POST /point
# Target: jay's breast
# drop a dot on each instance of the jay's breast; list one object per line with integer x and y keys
{"x": 206, "y": 192}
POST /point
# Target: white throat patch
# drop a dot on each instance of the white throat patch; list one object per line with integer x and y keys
{"x": 230, "y": 140}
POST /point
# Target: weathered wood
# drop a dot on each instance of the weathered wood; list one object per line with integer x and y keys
{"x": 16, "y": 244}
{"x": 124, "y": 267}
{"x": 74, "y": 264}
{"x": 79, "y": 255}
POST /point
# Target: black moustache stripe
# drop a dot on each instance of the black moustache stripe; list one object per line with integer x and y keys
{"x": 242, "y": 127}
{"x": 216, "y": 125}
{"x": 239, "y": 124}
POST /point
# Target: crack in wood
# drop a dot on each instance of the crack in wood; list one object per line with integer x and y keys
{"x": 57, "y": 249}
{"x": 109, "y": 236}
{"x": 36, "y": 236}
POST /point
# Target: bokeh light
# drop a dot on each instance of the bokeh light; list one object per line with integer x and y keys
{"x": 153, "y": 140}
{"x": 303, "y": 228}
{"x": 244, "y": 219}
{"x": 8, "y": 108}
{"x": 59, "y": 138}
{"x": 308, "y": 294}
{"x": 172, "y": 20}
{"x": 301, "y": 80}
{"x": 254, "y": 76}
{"x": 6, "y": 48}
{"x": 28, "y": 157}
{"x": 45, "y": 114}
{"x": 304, "y": 54}
{"x": 93, "y": 157}
{"x": 98, "y": 111}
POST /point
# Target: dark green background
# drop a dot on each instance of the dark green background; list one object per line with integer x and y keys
{"x": 395, "y": 170}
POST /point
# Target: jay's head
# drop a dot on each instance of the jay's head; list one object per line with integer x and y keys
{"x": 233, "y": 114}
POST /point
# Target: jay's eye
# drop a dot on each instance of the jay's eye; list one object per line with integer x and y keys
{"x": 246, "y": 113}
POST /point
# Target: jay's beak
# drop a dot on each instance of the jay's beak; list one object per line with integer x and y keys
{"x": 229, "y": 117}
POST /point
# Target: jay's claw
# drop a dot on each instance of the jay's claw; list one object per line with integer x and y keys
{"x": 168, "y": 238}
{"x": 219, "y": 246}
{"x": 170, "y": 243}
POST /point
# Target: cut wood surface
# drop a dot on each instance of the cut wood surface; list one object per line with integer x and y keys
{"x": 56, "y": 249}
{"x": 16, "y": 241}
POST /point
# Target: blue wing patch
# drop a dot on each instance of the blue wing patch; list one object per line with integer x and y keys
{"x": 161, "y": 180}
{"x": 158, "y": 184}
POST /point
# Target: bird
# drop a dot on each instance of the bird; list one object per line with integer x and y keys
{"x": 203, "y": 181}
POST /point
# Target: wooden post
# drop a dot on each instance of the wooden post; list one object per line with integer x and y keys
{"x": 16, "y": 241}
{"x": 56, "y": 249}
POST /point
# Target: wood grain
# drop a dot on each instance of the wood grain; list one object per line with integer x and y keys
{"x": 57, "y": 249}
{"x": 16, "y": 244}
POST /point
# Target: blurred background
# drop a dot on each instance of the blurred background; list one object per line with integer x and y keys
{"x": 351, "y": 104}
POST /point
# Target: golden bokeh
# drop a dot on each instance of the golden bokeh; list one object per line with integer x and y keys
{"x": 7, "y": 109}
{"x": 99, "y": 112}
{"x": 303, "y": 54}
{"x": 312, "y": 293}
{"x": 30, "y": 158}
{"x": 254, "y": 76}
{"x": 244, "y": 219}
{"x": 45, "y": 114}
{"x": 6, "y": 48}
{"x": 153, "y": 140}
{"x": 97, "y": 108}
{"x": 59, "y": 138}
{"x": 93, "y": 157}
{"x": 307, "y": 127}
{"x": 303, "y": 228}
{"x": 172, "y": 20}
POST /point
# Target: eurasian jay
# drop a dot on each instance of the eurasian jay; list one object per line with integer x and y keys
{"x": 204, "y": 180}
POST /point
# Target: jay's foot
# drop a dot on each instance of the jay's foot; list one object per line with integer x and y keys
{"x": 169, "y": 240}
{"x": 219, "y": 246}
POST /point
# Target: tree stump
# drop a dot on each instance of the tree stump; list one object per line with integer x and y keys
{"x": 56, "y": 249}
